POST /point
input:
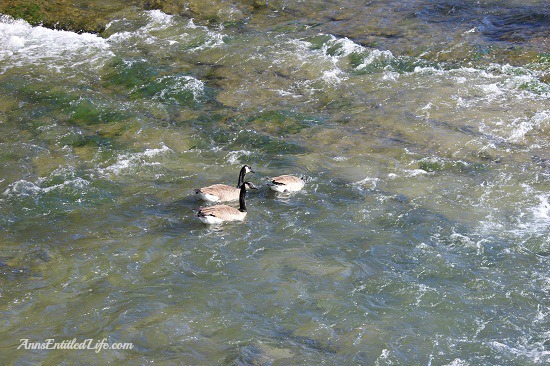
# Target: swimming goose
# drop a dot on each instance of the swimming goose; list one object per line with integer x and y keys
{"x": 223, "y": 192}
{"x": 221, "y": 213}
{"x": 286, "y": 183}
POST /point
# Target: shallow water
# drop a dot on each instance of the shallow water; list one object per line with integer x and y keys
{"x": 421, "y": 237}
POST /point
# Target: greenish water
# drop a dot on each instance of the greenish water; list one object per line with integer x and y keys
{"x": 421, "y": 237}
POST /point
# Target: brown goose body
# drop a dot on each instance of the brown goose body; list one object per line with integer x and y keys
{"x": 222, "y": 213}
{"x": 219, "y": 193}
{"x": 286, "y": 183}
{"x": 223, "y": 192}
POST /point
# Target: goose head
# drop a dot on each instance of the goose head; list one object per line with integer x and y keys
{"x": 245, "y": 169}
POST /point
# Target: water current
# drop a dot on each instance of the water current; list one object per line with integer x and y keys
{"x": 422, "y": 236}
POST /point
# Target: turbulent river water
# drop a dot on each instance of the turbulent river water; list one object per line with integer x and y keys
{"x": 420, "y": 238}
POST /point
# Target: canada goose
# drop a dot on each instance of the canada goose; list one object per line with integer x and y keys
{"x": 286, "y": 183}
{"x": 223, "y": 192}
{"x": 220, "y": 213}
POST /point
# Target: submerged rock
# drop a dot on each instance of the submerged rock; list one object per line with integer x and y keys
{"x": 481, "y": 33}
{"x": 93, "y": 16}
{"x": 413, "y": 31}
{"x": 77, "y": 16}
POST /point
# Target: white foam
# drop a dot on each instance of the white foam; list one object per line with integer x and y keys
{"x": 516, "y": 130}
{"x": 334, "y": 76}
{"x": 24, "y": 188}
{"x": 285, "y": 93}
{"x": 529, "y": 219}
{"x": 182, "y": 82}
{"x": 536, "y": 355}
{"x": 375, "y": 56}
{"x": 535, "y": 219}
{"x": 233, "y": 156}
{"x": 384, "y": 358}
{"x": 542, "y": 211}
{"x": 165, "y": 30}
{"x": 340, "y": 48}
{"x": 154, "y": 20}
{"x": 329, "y": 71}
{"x": 390, "y": 75}
{"x": 368, "y": 181}
{"x": 542, "y": 314}
{"x": 521, "y": 127}
{"x": 408, "y": 173}
{"x": 60, "y": 51}
{"x": 340, "y": 158}
{"x": 159, "y": 19}
{"x": 486, "y": 87}
{"x": 127, "y": 161}
{"x": 457, "y": 362}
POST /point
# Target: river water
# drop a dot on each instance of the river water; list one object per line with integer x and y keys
{"x": 422, "y": 236}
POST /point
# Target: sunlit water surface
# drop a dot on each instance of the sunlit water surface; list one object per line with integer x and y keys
{"x": 421, "y": 237}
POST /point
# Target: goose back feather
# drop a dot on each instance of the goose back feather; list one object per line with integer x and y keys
{"x": 221, "y": 213}
{"x": 218, "y": 193}
{"x": 286, "y": 183}
{"x": 223, "y": 192}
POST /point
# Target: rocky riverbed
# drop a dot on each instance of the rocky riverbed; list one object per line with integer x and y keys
{"x": 443, "y": 31}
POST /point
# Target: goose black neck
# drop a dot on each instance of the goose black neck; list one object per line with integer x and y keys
{"x": 242, "y": 195}
{"x": 241, "y": 177}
